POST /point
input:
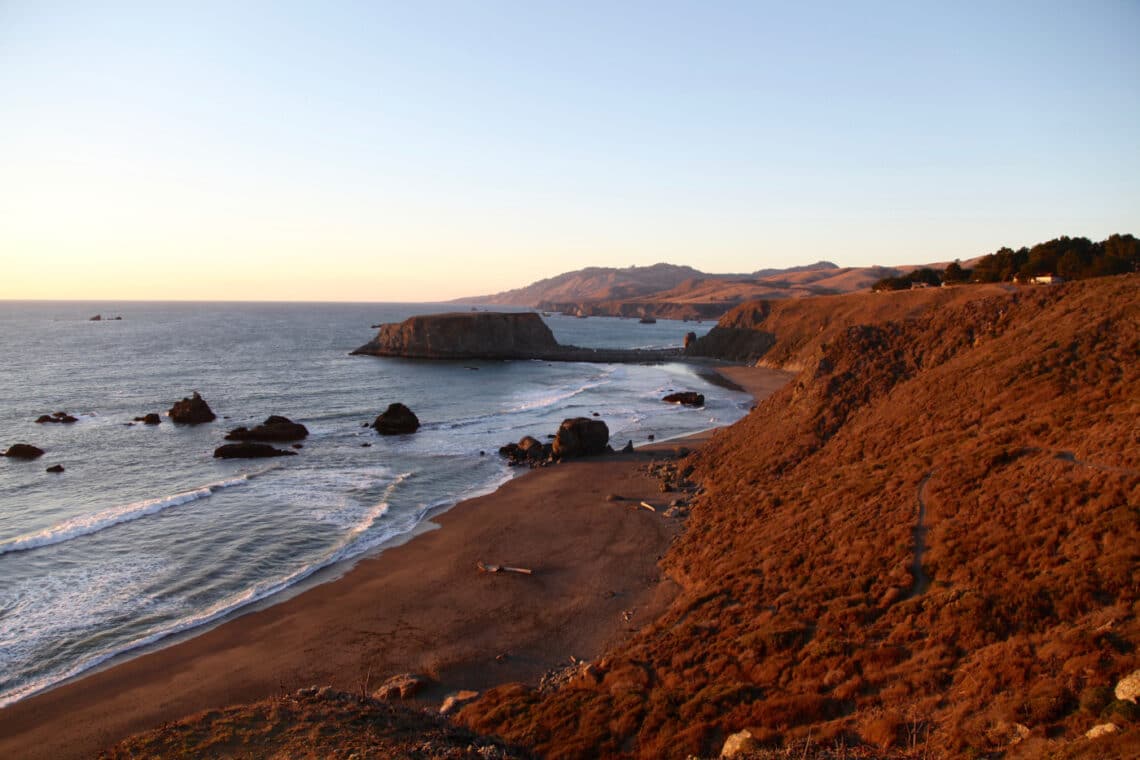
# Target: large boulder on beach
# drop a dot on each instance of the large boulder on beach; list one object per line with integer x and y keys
{"x": 24, "y": 451}
{"x": 275, "y": 428}
{"x": 580, "y": 437}
{"x": 397, "y": 419}
{"x": 250, "y": 451}
{"x": 191, "y": 411}
{"x": 686, "y": 398}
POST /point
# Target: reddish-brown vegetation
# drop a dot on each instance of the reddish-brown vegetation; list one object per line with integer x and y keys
{"x": 996, "y": 440}
{"x": 312, "y": 724}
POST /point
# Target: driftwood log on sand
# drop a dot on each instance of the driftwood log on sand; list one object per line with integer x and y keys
{"x": 489, "y": 568}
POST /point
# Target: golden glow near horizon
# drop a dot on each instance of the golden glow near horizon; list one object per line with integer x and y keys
{"x": 221, "y": 151}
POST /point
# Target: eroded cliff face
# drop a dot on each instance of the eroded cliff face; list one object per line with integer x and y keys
{"x": 464, "y": 335}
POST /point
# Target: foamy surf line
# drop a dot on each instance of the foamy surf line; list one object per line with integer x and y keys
{"x": 347, "y": 548}
{"x": 85, "y": 525}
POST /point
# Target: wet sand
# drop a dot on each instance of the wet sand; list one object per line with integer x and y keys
{"x": 422, "y": 607}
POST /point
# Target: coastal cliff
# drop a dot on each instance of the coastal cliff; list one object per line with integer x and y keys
{"x": 489, "y": 335}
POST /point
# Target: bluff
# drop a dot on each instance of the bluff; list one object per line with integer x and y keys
{"x": 924, "y": 546}
{"x": 488, "y": 335}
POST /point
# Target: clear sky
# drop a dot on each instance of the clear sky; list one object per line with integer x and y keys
{"x": 426, "y": 150}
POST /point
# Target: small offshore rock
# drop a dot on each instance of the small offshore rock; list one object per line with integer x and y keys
{"x": 250, "y": 451}
{"x": 685, "y": 398}
{"x": 397, "y": 419}
{"x": 150, "y": 418}
{"x": 55, "y": 468}
{"x": 58, "y": 417}
{"x": 191, "y": 411}
{"x": 275, "y": 429}
{"x": 24, "y": 451}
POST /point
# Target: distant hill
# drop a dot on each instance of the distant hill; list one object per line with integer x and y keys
{"x": 669, "y": 290}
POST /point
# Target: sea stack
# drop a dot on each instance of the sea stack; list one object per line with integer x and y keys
{"x": 464, "y": 335}
{"x": 191, "y": 411}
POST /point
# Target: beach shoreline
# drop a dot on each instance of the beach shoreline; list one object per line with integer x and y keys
{"x": 421, "y": 606}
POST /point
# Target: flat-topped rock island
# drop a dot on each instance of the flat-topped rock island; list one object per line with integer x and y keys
{"x": 491, "y": 335}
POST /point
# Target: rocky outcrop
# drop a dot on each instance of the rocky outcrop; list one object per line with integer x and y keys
{"x": 580, "y": 437}
{"x": 149, "y": 419}
{"x": 24, "y": 451}
{"x": 397, "y": 419}
{"x": 55, "y": 469}
{"x": 1128, "y": 688}
{"x": 191, "y": 411}
{"x": 275, "y": 429}
{"x": 58, "y": 417}
{"x": 464, "y": 335}
{"x": 402, "y": 686}
{"x": 528, "y": 451}
{"x": 685, "y": 398}
{"x": 489, "y": 335}
{"x": 250, "y": 451}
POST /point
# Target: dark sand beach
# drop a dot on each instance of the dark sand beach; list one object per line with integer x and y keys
{"x": 421, "y": 607}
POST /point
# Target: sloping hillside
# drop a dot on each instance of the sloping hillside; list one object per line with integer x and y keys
{"x": 784, "y": 333}
{"x": 927, "y": 545}
{"x": 595, "y": 284}
{"x": 665, "y": 290}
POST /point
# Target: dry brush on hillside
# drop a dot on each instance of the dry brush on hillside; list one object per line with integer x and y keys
{"x": 928, "y": 545}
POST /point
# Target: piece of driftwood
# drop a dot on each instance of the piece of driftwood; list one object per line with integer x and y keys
{"x": 488, "y": 568}
{"x": 649, "y": 506}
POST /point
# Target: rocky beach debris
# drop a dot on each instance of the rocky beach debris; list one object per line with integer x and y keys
{"x": 275, "y": 429}
{"x": 685, "y": 398}
{"x": 397, "y": 419}
{"x": 24, "y": 451}
{"x": 402, "y": 686}
{"x": 57, "y": 417}
{"x": 250, "y": 451}
{"x": 192, "y": 410}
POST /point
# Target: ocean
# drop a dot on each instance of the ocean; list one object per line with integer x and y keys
{"x": 145, "y": 535}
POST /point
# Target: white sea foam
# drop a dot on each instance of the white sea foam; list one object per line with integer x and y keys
{"x": 85, "y": 525}
{"x": 347, "y": 547}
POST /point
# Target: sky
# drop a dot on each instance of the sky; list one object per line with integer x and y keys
{"x": 414, "y": 151}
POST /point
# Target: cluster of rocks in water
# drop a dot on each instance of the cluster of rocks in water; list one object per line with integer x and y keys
{"x": 685, "y": 398}
{"x": 248, "y": 443}
{"x": 57, "y": 418}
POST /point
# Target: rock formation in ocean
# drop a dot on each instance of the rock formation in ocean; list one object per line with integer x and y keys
{"x": 250, "y": 451}
{"x": 149, "y": 419}
{"x": 274, "y": 429}
{"x": 57, "y": 417}
{"x": 24, "y": 451}
{"x": 488, "y": 335}
{"x": 191, "y": 411}
{"x": 397, "y": 419}
{"x": 685, "y": 398}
